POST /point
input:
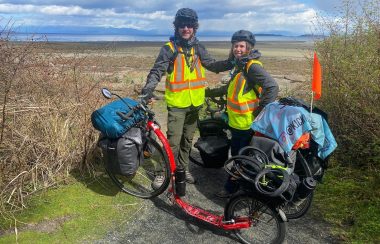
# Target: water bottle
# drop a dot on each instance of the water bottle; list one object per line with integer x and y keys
{"x": 180, "y": 182}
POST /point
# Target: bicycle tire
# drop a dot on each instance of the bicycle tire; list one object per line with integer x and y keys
{"x": 297, "y": 210}
{"x": 267, "y": 224}
{"x": 140, "y": 185}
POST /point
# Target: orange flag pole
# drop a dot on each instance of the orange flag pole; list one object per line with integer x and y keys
{"x": 316, "y": 83}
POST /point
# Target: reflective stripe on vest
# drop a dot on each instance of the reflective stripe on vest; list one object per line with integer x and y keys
{"x": 185, "y": 86}
{"x": 240, "y": 106}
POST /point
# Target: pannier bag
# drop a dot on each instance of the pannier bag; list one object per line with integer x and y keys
{"x": 213, "y": 143}
{"x": 123, "y": 155}
{"x": 107, "y": 119}
{"x": 211, "y": 127}
{"x": 213, "y": 150}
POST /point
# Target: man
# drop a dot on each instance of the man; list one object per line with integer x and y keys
{"x": 183, "y": 59}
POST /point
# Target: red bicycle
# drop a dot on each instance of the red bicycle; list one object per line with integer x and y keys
{"x": 253, "y": 219}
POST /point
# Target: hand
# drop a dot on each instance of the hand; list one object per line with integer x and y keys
{"x": 149, "y": 101}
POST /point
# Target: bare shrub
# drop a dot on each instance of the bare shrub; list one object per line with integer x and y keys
{"x": 46, "y": 100}
{"x": 351, "y": 64}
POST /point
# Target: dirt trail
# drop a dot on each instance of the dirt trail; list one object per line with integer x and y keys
{"x": 158, "y": 221}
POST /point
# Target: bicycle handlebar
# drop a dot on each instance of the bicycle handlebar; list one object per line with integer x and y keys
{"x": 220, "y": 102}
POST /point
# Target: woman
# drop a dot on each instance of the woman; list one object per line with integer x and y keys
{"x": 250, "y": 88}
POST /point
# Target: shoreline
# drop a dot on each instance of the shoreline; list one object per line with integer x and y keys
{"x": 157, "y": 44}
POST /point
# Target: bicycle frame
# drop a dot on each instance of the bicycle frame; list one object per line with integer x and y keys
{"x": 199, "y": 213}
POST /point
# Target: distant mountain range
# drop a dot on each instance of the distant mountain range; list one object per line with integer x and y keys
{"x": 125, "y": 31}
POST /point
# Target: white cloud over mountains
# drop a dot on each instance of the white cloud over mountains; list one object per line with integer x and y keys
{"x": 256, "y": 15}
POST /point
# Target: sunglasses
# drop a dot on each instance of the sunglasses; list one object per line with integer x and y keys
{"x": 188, "y": 25}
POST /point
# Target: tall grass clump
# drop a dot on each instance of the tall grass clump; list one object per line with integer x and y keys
{"x": 46, "y": 99}
{"x": 351, "y": 64}
{"x": 350, "y": 57}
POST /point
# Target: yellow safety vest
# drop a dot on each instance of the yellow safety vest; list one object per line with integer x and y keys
{"x": 240, "y": 106}
{"x": 183, "y": 86}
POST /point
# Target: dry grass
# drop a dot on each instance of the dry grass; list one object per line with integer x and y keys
{"x": 47, "y": 98}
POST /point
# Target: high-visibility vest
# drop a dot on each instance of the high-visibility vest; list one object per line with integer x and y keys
{"x": 240, "y": 107}
{"x": 185, "y": 86}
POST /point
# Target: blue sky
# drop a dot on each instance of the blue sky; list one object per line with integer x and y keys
{"x": 259, "y": 16}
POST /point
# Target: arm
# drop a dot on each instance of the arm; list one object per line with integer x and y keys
{"x": 216, "y": 92}
{"x": 159, "y": 69}
{"x": 258, "y": 75}
{"x": 210, "y": 63}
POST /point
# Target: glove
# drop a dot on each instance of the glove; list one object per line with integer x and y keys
{"x": 207, "y": 92}
{"x": 145, "y": 98}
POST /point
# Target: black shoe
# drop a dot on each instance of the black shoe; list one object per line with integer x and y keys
{"x": 223, "y": 194}
{"x": 189, "y": 178}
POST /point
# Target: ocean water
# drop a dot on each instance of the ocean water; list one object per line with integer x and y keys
{"x": 115, "y": 38}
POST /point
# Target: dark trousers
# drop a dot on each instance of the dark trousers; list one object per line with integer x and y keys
{"x": 239, "y": 139}
{"x": 182, "y": 124}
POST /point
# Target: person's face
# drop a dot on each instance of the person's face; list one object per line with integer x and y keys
{"x": 239, "y": 49}
{"x": 186, "y": 31}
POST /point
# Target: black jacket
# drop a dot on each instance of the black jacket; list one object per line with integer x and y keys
{"x": 166, "y": 56}
{"x": 255, "y": 75}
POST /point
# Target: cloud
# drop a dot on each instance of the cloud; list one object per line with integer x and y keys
{"x": 223, "y": 15}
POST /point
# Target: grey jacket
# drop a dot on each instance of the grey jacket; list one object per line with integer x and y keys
{"x": 166, "y": 56}
{"x": 255, "y": 75}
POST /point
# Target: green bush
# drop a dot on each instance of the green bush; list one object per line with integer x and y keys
{"x": 350, "y": 57}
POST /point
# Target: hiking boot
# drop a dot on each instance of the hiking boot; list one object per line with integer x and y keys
{"x": 223, "y": 194}
{"x": 158, "y": 181}
{"x": 189, "y": 178}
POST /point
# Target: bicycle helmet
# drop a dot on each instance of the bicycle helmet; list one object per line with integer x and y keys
{"x": 186, "y": 15}
{"x": 243, "y": 35}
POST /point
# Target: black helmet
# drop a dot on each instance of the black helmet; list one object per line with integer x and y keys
{"x": 186, "y": 15}
{"x": 243, "y": 35}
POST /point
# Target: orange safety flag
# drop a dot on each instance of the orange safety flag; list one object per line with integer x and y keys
{"x": 316, "y": 84}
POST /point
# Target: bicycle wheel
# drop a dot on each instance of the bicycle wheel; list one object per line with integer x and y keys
{"x": 267, "y": 225}
{"x": 155, "y": 164}
{"x": 297, "y": 210}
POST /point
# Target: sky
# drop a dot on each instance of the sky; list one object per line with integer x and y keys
{"x": 259, "y": 16}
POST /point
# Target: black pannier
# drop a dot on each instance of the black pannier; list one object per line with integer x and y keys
{"x": 123, "y": 155}
{"x": 213, "y": 143}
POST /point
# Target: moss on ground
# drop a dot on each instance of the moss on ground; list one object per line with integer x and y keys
{"x": 84, "y": 210}
{"x": 350, "y": 200}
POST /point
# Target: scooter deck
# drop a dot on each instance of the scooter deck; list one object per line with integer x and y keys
{"x": 216, "y": 220}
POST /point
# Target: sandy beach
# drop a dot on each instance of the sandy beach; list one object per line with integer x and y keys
{"x": 129, "y": 62}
